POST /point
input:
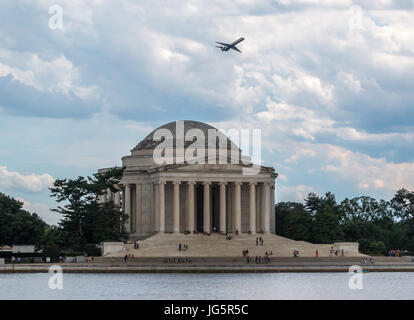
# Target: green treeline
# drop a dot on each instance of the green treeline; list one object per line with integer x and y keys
{"x": 378, "y": 226}
{"x": 18, "y": 226}
{"x": 84, "y": 221}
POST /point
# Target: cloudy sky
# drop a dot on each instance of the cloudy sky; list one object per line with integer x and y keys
{"x": 329, "y": 82}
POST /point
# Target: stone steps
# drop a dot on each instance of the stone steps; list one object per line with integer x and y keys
{"x": 216, "y": 245}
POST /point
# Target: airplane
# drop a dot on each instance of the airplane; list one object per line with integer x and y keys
{"x": 227, "y": 46}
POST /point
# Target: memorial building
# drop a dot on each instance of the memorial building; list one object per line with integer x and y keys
{"x": 187, "y": 176}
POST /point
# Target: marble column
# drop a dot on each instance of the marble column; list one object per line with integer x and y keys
{"x": 161, "y": 205}
{"x": 252, "y": 207}
{"x": 128, "y": 207}
{"x": 233, "y": 207}
{"x": 206, "y": 208}
{"x": 157, "y": 205}
{"x": 138, "y": 208}
{"x": 272, "y": 212}
{"x": 238, "y": 206}
{"x": 190, "y": 209}
{"x": 223, "y": 220}
{"x": 266, "y": 225}
{"x": 176, "y": 207}
{"x": 118, "y": 198}
{"x": 108, "y": 195}
{"x": 262, "y": 206}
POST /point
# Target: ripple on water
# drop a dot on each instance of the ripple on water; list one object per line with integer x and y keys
{"x": 392, "y": 285}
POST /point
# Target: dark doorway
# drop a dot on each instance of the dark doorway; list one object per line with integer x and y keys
{"x": 200, "y": 206}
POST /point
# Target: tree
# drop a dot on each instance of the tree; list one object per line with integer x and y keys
{"x": 372, "y": 247}
{"x": 299, "y": 224}
{"x": 378, "y": 225}
{"x": 325, "y": 227}
{"x": 101, "y": 182}
{"x": 403, "y": 204}
{"x": 77, "y": 195}
{"x": 361, "y": 209}
{"x": 282, "y": 211}
{"x": 107, "y": 220}
{"x": 85, "y": 220}
{"x": 18, "y": 226}
{"x": 315, "y": 203}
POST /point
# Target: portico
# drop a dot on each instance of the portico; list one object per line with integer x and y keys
{"x": 220, "y": 212}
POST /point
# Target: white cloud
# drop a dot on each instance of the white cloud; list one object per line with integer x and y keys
{"x": 348, "y": 79}
{"x": 302, "y": 152}
{"x": 367, "y": 172}
{"x": 302, "y": 122}
{"x": 31, "y": 182}
{"x": 42, "y": 210}
{"x": 292, "y": 193}
{"x": 55, "y": 75}
{"x": 303, "y": 76}
{"x": 25, "y": 77}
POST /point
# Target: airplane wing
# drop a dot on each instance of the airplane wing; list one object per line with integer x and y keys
{"x": 237, "y": 41}
{"x": 235, "y": 48}
{"x": 223, "y": 44}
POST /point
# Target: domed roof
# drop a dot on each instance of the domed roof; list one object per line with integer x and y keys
{"x": 149, "y": 143}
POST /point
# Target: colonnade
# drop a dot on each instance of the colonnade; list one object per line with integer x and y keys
{"x": 266, "y": 206}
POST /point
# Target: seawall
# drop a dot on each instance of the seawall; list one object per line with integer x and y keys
{"x": 210, "y": 268}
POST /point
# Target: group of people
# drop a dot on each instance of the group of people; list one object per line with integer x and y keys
{"x": 261, "y": 260}
{"x": 295, "y": 253}
{"x": 258, "y": 259}
{"x": 136, "y": 245}
{"x": 259, "y": 240}
{"x": 228, "y": 237}
{"x": 336, "y": 252}
{"x": 182, "y": 247}
{"x": 128, "y": 256}
{"x": 394, "y": 253}
{"x": 13, "y": 259}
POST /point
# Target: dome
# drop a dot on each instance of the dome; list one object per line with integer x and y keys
{"x": 149, "y": 143}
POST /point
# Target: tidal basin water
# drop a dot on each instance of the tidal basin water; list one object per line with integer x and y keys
{"x": 392, "y": 285}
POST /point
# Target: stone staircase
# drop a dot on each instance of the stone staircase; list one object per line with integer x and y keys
{"x": 215, "y": 245}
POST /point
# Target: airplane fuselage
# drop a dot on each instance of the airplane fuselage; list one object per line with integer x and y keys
{"x": 228, "y": 46}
